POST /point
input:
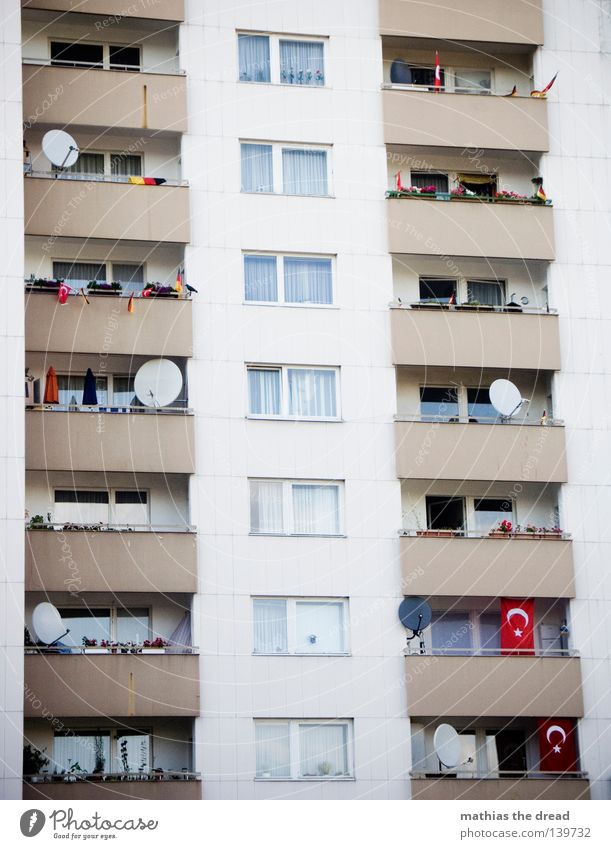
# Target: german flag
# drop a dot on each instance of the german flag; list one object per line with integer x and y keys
{"x": 147, "y": 181}
{"x": 130, "y": 304}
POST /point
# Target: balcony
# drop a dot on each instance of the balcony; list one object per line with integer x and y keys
{"x": 487, "y": 566}
{"x": 168, "y": 10}
{"x": 89, "y": 98}
{"x": 475, "y": 337}
{"x": 147, "y": 561}
{"x": 180, "y": 786}
{"x": 480, "y": 452}
{"x": 101, "y": 209}
{"x": 518, "y": 22}
{"x": 473, "y": 228}
{"x": 105, "y": 441}
{"x": 103, "y": 684}
{"x": 510, "y": 789}
{"x": 424, "y": 118}
{"x": 159, "y": 326}
{"x": 491, "y": 686}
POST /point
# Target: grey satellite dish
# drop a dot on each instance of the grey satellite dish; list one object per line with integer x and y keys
{"x": 158, "y": 382}
{"x": 505, "y": 397}
{"x": 446, "y": 743}
{"x": 415, "y": 615}
{"x": 47, "y": 623}
{"x": 60, "y": 148}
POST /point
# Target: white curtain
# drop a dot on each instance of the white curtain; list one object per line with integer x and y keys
{"x": 132, "y": 752}
{"x": 323, "y": 749}
{"x": 126, "y": 165}
{"x": 133, "y": 625}
{"x": 304, "y": 171}
{"x": 260, "y": 278}
{"x": 320, "y": 626}
{"x": 312, "y": 392}
{"x": 129, "y": 275}
{"x": 254, "y": 58}
{"x": 486, "y": 292}
{"x": 264, "y": 391}
{"x": 273, "y": 750}
{"x": 451, "y": 633}
{"x": 307, "y": 280}
{"x": 79, "y": 273}
{"x": 90, "y": 751}
{"x": 270, "y": 625}
{"x": 71, "y": 389}
{"x": 86, "y": 167}
{"x": 266, "y": 514}
{"x": 82, "y": 506}
{"x": 315, "y": 509}
{"x": 257, "y": 168}
{"x": 302, "y": 63}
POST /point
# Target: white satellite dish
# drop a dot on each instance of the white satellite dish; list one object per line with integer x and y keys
{"x": 47, "y": 623}
{"x": 505, "y": 397}
{"x": 60, "y": 148}
{"x": 447, "y": 745}
{"x": 157, "y": 383}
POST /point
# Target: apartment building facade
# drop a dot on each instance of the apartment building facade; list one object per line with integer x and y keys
{"x": 370, "y": 250}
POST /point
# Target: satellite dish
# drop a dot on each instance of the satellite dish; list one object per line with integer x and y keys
{"x": 505, "y": 397}
{"x": 157, "y": 383}
{"x": 60, "y": 148}
{"x": 415, "y": 614}
{"x": 47, "y": 623}
{"x": 447, "y": 745}
{"x": 524, "y": 300}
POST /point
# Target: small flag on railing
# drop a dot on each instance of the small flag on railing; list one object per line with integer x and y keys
{"x": 437, "y": 72}
{"x": 130, "y": 304}
{"x": 63, "y": 292}
{"x": 147, "y": 181}
{"x": 178, "y": 285}
{"x": 84, "y": 296}
{"x": 398, "y": 180}
{"x": 544, "y": 92}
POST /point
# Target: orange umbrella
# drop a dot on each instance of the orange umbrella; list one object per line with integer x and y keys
{"x": 51, "y": 388}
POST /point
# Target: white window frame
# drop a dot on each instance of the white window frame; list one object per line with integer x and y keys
{"x": 281, "y": 300}
{"x": 107, "y": 154}
{"x": 287, "y": 507}
{"x": 274, "y": 57}
{"x": 105, "y": 45}
{"x": 462, "y": 284}
{"x": 291, "y": 625}
{"x": 114, "y": 616}
{"x": 469, "y": 508}
{"x": 285, "y": 414}
{"x": 294, "y": 753}
{"x": 108, "y": 264}
{"x": 111, "y": 497}
{"x": 462, "y": 398}
{"x": 277, "y": 171}
{"x": 452, "y": 184}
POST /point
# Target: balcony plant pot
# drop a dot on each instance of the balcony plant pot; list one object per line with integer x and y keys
{"x": 146, "y": 650}
{"x": 501, "y": 535}
{"x": 432, "y": 305}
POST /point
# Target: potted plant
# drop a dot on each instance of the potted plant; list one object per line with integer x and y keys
{"x": 503, "y": 529}
{"x": 37, "y": 523}
{"x": 325, "y": 768}
{"x": 34, "y": 762}
{"x": 156, "y": 646}
{"x": 43, "y": 284}
{"x": 157, "y": 290}
{"x": 99, "y": 287}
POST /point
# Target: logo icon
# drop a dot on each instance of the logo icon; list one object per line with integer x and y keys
{"x": 32, "y": 822}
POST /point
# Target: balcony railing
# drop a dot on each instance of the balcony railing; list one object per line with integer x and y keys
{"x": 96, "y": 178}
{"x": 455, "y": 195}
{"x": 73, "y": 63}
{"x": 141, "y": 775}
{"x": 439, "y": 306}
{"x": 465, "y": 533}
{"x": 108, "y": 526}
{"x": 483, "y": 652}
{"x": 482, "y": 775}
{"x": 549, "y": 421}
{"x": 112, "y": 408}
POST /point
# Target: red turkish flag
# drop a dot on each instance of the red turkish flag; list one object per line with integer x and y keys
{"x": 437, "y": 73}
{"x": 517, "y": 621}
{"x": 557, "y": 746}
{"x": 63, "y": 292}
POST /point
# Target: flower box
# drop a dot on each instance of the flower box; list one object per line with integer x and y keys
{"x": 429, "y": 305}
{"x": 444, "y": 533}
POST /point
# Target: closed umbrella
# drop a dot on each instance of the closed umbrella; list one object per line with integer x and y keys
{"x": 90, "y": 396}
{"x": 51, "y": 395}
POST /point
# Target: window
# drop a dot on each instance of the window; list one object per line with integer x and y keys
{"x": 464, "y": 632}
{"x": 294, "y": 749}
{"x": 80, "y": 506}
{"x": 117, "y": 165}
{"x": 479, "y": 405}
{"x": 445, "y": 513}
{"x": 118, "y": 624}
{"x": 132, "y": 625}
{"x": 433, "y": 289}
{"x": 293, "y": 392}
{"x": 87, "y": 165}
{"x": 302, "y": 62}
{"x": 253, "y": 53}
{"x": 71, "y": 389}
{"x": 87, "y": 751}
{"x": 306, "y": 279}
{"x": 483, "y": 185}
{"x": 289, "y": 170}
{"x": 126, "y": 164}
{"x": 489, "y": 512}
{"x": 130, "y": 275}
{"x": 295, "y": 507}
{"x": 438, "y": 403}
{"x": 123, "y": 393}
{"x": 130, "y": 508}
{"x": 273, "y": 59}
{"x": 472, "y": 82}
{"x": 132, "y": 751}
{"x": 79, "y": 273}
{"x": 80, "y": 54}
{"x": 298, "y": 626}
{"x": 490, "y": 292}
{"x": 419, "y": 76}
{"x": 422, "y": 179}
{"x": 124, "y": 58}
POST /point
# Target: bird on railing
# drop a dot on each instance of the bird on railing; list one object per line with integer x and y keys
{"x": 190, "y": 289}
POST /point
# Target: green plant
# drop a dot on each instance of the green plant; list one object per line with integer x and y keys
{"x": 325, "y": 768}
{"x": 100, "y": 760}
{"x": 36, "y": 523}
{"x": 124, "y": 758}
{"x": 33, "y": 759}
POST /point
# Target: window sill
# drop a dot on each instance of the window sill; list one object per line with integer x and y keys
{"x": 283, "y": 85}
{"x": 296, "y": 536}
{"x": 312, "y": 778}
{"x": 285, "y": 194}
{"x": 255, "y": 418}
{"x": 304, "y": 305}
{"x": 300, "y": 654}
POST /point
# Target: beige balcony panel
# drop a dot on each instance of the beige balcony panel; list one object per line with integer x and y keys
{"x": 487, "y": 567}
{"x": 65, "y": 561}
{"x": 113, "y": 791}
{"x": 479, "y": 452}
{"x": 161, "y": 326}
{"x": 475, "y": 339}
{"x": 500, "y": 788}
{"x": 166, "y": 10}
{"x": 129, "y": 442}
{"x": 470, "y": 228}
{"x": 463, "y": 120}
{"x": 493, "y": 686}
{"x": 515, "y": 22}
{"x": 103, "y": 685}
{"x": 97, "y": 98}
{"x": 104, "y": 210}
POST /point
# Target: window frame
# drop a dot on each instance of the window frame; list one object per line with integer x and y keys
{"x": 472, "y": 617}
{"x": 280, "y": 279}
{"x": 277, "y": 149}
{"x": 114, "y": 616}
{"x": 293, "y": 727}
{"x": 274, "y": 40}
{"x": 462, "y": 282}
{"x": 107, "y": 173}
{"x": 292, "y": 603}
{"x": 111, "y": 492}
{"x": 105, "y": 45}
{"x": 108, "y": 265}
{"x": 288, "y": 518}
{"x": 113, "y": 734}
{"x": 285, "y": 414}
